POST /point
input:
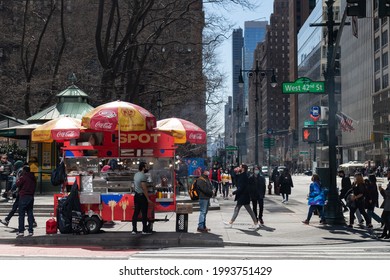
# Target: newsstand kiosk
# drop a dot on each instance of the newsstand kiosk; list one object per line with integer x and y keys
{"x": 104, "y": 173}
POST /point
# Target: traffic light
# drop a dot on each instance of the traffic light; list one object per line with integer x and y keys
{"x": 384, "y": 8}
{"x": 310, "y": 134}
{"x": 357, "y": 8}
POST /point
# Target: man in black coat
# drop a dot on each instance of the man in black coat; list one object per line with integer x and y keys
{"x": 257, "y": 192}
{"x": 242, "y": 197}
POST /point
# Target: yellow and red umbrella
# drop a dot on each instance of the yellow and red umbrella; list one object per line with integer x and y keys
{"x": 183, "y": 131}
{"x": 60, "y": 129}
{"x": 119, "y": 116}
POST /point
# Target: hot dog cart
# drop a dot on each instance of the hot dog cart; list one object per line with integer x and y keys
{"x": 104, "y": 173}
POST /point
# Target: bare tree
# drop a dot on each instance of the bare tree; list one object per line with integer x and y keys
{"x": 31, "y": 45}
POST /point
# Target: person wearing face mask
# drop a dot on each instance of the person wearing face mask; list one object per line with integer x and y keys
{"x": 257, "y": 184}
{"x": 141, "y": 199}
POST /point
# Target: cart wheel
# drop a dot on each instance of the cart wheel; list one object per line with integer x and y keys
{"x": 93, "y": 223}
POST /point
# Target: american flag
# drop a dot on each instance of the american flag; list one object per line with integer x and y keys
{"x": 346, "y": 123}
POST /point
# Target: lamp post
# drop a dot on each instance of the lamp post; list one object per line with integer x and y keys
{"x": 238, "y": 112}
{"x": 262, "y": 72}
{"x": 159, "y": 104}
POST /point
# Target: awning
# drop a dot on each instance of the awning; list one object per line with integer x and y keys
{"x": 19, "y": 132}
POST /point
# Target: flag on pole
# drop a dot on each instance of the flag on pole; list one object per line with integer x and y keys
{"x": 346, "y": 122}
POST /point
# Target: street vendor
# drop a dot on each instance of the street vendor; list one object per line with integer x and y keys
{"x": 141, "y": 199}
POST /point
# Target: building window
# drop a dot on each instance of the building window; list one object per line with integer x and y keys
{"x": 376, "y": 44}
{"x": 377, "y": 64}
{"x": 385, "y": 38}
{"x": 385, "y": 59}
{"x": 385, "y": 81}
{"x": 377, "y": 84}
{"x": 376, "y": 24}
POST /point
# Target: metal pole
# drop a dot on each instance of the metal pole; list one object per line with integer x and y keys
{"x": 257, "y": 116}
{"x": 333, "y": 211}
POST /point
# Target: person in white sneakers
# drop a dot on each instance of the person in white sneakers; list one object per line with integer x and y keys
{"x": 242, "y": 197}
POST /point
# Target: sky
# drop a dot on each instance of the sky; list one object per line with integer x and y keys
{"x": 238, "y": 16}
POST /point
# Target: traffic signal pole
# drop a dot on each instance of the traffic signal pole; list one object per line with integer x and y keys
{"x": 333, "y": 209}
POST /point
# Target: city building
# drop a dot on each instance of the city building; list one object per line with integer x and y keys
{"x": 299, "y": 10}
{"x": 272, "y": 106}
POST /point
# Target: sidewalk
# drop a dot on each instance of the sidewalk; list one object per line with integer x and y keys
{"x": 283, "y": 226}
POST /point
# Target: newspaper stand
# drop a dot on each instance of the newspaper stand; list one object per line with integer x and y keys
{"x": 109, "y": 196}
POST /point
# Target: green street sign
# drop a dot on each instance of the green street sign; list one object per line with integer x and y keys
{"x": 386, "y": 137}
{"x": 269, "y": 142}
{"x": 303, "y": 152}
{"x": 308, "y": 123}
{"x": 303, "y": 85}
{"x": 231, "y": 148}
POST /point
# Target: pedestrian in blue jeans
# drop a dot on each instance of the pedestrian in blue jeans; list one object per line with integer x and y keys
{"x": 205, "y": 190}
{"x": 27, "y": 185}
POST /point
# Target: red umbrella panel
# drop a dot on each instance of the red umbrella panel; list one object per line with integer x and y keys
{"x": 182, "y": 130}
{"x": 60, "y": 129}
{"x": 119, "y": 116}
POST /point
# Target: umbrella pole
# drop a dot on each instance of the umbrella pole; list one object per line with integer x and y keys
{"x": 119, "y": 141}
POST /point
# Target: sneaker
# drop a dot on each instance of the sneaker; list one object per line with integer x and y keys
{"x": 350, "y": 226}
{"x": 207, "y": 229}
{"x": 286, "y": 202}
{"x": 5, "y": 222}
{"x": 322, "y": 222}
{"x": 254, "y": 227}
{"x": 306, "y": 222}
{"x": 227, "y": 224}
{"x": 20, "y": 234}
{"x": 30, "y": 234}
{"x": 283, "y": 201}
{"x": 134, "y": 232}
{"x": 201, "y": 230}
{"x": 369, "y": 226}
{"x": 146, "y": 232}
{"x": 261, "y": 221}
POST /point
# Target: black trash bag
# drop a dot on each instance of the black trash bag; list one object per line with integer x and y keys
{"x": 59, "y": 176}
{"x": 68, "y": 208}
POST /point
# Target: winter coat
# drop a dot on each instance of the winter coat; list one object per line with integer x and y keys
{"x": 316, "y": 194}
{"x": 205, "y": 187}
{"x": 371, "y": 195}
{"x": 257, "y": 186}
{"x": 242, "y": 193}
{"x": 26, "y": 184}
{"x": 286, "y": 183}
{"x": 386, "y": 196}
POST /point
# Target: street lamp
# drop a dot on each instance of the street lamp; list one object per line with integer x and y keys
{"x": 159, "y": 105}
{"x": 238, "y": 111}
{"x": 262, "y": 72}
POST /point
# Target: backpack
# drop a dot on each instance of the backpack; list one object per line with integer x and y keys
{"x": 58, "y": 176}
{"x": 193, "y": 190}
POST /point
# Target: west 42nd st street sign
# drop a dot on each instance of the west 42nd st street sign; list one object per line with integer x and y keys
{"x": 303, "y": 85}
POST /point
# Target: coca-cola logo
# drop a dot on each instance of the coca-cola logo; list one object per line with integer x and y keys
{"x": 103, "y": 125}
{"x": 195, "y": 136}
{"x": 67, "y": 134}
{"x": 109, "y": 114}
